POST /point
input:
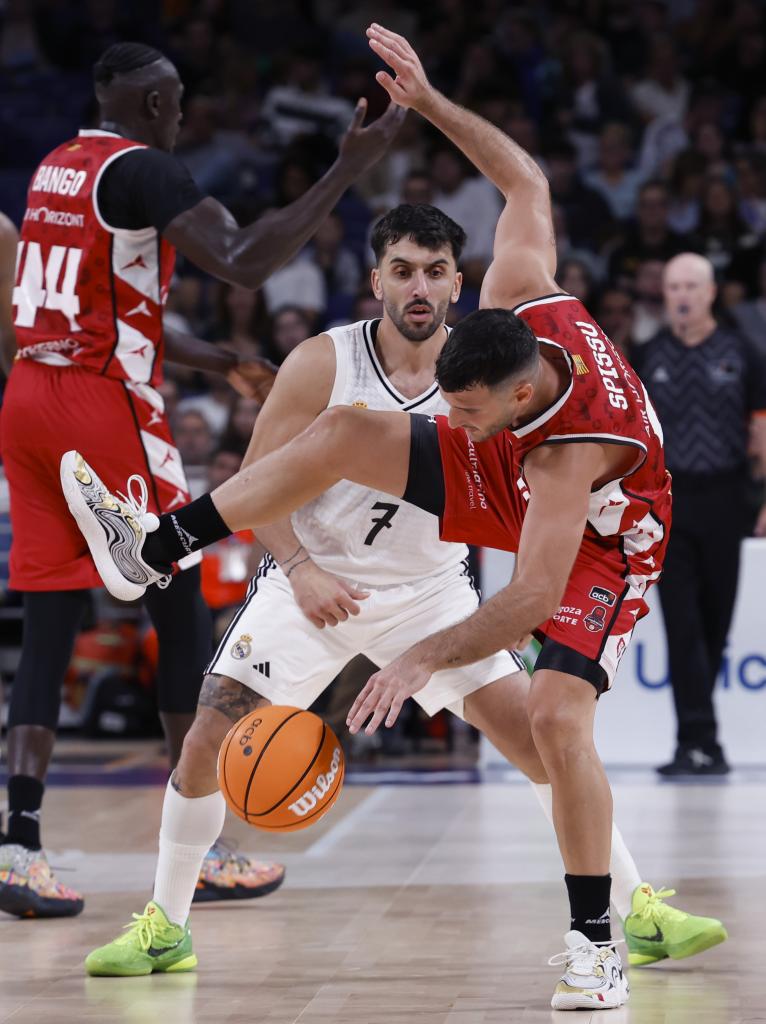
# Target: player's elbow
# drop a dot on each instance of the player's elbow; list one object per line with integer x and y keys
{"x": 532, "y": 183}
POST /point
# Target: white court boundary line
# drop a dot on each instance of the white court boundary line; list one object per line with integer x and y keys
{"x": 349, "y": 824}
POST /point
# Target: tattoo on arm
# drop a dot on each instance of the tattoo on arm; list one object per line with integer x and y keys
{"x": 230, "y": 697}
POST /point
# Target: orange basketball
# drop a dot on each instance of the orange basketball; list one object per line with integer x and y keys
{"x": 280, "y": 768}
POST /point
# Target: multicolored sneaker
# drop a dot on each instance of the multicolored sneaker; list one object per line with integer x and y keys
{"x": 28, "y": 887}
{"x": 227, "y": 875}
{"x": 150, "y": 943}
{"x": 114, "y": 526}
{"x": 593, "y": 978}
{"x": 654, "y": 930}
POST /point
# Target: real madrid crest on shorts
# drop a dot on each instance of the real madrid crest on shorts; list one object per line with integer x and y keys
{"x": 242, "y": 648}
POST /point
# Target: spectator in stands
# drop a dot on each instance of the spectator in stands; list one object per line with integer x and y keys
{"x": 648, "y": 237}
{"x": 750, "y": 169}
{"x": 687, "y": 181}
{"x": 588, "y": 215}
{"x": 213, "y": 157}
{"x": 299, "y": 283}
{"x": 195, "y": 442}
{"x": 587, "y": 93}
{"x": 381, "y": 187}
{"x": 337, "y": 263}
{"x": 241, "y": 319}
{"x": 648, "y": 313}
{"x": 725, "y": 238}
{"x": 302, "y": 104}
{"x": 614, "y": 177}
{"x": 417, "y": 189}
{"x": 706, "y": 383}
{"x": 575, "y": 278}
{"x": 615, "y": 315}
{"x": 228, "y": 565}
{"x": 468, "y": 199}
{"x": 290, "y": 326}
{"x": 214, "y": 404}
{"x": 239, "y": 429}
{"x": 663, "y": 92}
{"x": 751, "y": 316}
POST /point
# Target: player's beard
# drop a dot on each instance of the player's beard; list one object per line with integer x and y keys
{"x": 417, "y": 332}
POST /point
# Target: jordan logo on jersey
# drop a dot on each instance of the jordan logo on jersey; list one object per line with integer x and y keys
{"x": 139, "y": 261}
{"x": 140, "y": 308}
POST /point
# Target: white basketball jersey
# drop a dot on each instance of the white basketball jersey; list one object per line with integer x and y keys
{"x": 353, "y": 531}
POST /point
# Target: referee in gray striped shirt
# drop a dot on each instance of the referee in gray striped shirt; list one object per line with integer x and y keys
{"x": 708, "y": 385}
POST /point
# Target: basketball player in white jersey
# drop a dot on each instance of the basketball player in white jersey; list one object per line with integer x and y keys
{"x": 369, "y": 574}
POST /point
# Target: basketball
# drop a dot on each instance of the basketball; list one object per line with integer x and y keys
{"x": 280, "y": 768}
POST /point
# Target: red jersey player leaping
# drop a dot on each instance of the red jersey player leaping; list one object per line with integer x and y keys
{"x": 551, "y": 450}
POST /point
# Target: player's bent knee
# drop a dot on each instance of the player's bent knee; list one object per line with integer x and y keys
{"x": 553, "y": 724}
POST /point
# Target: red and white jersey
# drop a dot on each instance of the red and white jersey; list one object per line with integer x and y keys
{"x": 86, "y": 293}
{"x": 629, "y": 517}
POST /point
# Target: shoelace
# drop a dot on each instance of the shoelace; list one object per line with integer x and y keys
{"x": 651, "y": 909}
{"x": 141, "y": 927}
{"x": 585, "y": 949}
{"x": 138, "y": 507}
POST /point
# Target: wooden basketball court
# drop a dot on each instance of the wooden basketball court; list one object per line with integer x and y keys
{"x": 437, "y": 901}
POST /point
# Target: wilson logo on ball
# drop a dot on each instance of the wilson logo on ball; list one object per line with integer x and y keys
{"x": 319, "y": 790}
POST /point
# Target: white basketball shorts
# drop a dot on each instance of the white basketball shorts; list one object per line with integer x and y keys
{"x": 272, "y": 647}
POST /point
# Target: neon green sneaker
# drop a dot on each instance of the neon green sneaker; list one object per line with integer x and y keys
{"x": 151, "y": 943}
{"x": 654, "y": 930}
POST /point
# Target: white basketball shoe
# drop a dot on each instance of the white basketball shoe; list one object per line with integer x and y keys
{"x": 593, "y": 978}
{"x": 115, "y": 527}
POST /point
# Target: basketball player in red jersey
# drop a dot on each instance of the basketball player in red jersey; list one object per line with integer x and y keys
{"x": 106, "y": 212}
{"x": 551, "y": 450}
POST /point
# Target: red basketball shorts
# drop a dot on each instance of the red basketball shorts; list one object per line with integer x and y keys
{"x": 121, "y": 429}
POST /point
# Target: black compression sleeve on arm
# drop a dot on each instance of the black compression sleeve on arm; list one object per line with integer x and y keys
{"x": 425, "y": 481}
{"x": 145, "y": 188}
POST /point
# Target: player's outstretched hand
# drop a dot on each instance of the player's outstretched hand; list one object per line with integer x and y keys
{"x": 386, "y": 692}
{"x": 361, "y": 147}
{"x": 324, "y": 599}
{"x": 253, "y": 378}
{"x": 409, "y": 87}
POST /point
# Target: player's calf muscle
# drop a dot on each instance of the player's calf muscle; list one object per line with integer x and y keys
{"x": 232, "y": 698}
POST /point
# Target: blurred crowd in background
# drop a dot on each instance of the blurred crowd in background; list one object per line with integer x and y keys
{"x": 648, "y": 117}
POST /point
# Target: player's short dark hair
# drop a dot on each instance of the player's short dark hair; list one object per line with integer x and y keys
{"x": 489, "y": 347}
{"x": 424, "y": 224}
{"x": 121, "y": 58}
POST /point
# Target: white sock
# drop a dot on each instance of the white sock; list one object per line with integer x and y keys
{"x": 190, "y": 826}
{"x": 622, "y": 867}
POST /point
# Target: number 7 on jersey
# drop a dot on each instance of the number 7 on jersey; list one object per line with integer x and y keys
{"x": 389, "y": 510}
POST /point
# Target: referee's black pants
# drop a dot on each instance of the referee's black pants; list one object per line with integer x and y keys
{"x": 697, "y": 591}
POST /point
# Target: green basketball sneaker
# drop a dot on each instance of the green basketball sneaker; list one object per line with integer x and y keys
{"x": 151, "y": 943}
{"x": 654, "y": 930}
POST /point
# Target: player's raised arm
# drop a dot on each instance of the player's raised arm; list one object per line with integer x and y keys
{"x": 208, "y": 235}
{"x": 524, "y": 259}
